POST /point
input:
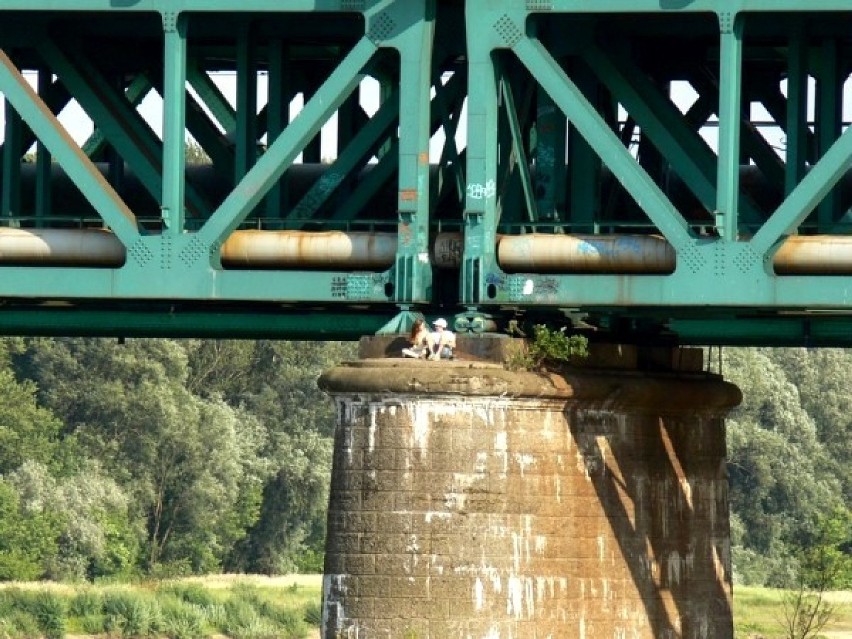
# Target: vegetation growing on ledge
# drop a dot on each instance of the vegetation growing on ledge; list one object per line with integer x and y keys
{"x": 548, "y": 349}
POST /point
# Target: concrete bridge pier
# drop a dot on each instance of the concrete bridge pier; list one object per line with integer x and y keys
{"x": 473, "y": 502}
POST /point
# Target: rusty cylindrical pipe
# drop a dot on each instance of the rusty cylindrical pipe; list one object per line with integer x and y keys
{"x": 798, "y": 255}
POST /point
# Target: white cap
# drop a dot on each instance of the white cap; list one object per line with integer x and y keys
{"x": 440, "y": 322}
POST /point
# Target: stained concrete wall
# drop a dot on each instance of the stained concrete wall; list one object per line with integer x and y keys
{"x": 469, "y": 501}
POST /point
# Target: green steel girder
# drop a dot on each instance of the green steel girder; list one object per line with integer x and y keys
{"x": 819, "y": 181}
{"x": 730, "y": 108}
{"x": 796, "y": 116}
{"x": 50, "y": 132}
{"x": 519, "y": 159}
{"x": 724, "y": 271}
{"x": 43, "y": 202}
{"x": 359, "y": 150}
{"x": 534, "y": 6}
{"x": 280, "y": 78}
{"x": 828, "y": 105}
{"x": 253, "y": 187}
{"x": 123, "y": 127}
{"x": 538, "y": 73}
{"x": 175, "y": 190}
{"x": 214, "y": 322}
{"x": 187, "y": 263}
{"x": 12, "y": 152}
{"x": 689, "y": 154}
{"x": 448, "y": 109}
{"x": 211, "y": 96}
{"x": 599, "y": 136}
{"x": 55, "y": 96}
{"x": 551, "y": 133}
{"x": 380, "y": 173}
{"x": 135, "y": 92}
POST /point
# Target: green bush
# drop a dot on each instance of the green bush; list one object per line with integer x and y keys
{"x": 85, "y": 603}
{"x": 193, "y": 593}
{"x": 239, "y": 614}
{"x": 249, "y": 615}
{"x": 549, "y": 349}
{"x": 182, "y": 620}
{"x": 93, "y": 624}
{"x": 131, "y": 614}
{"x": 246, "y": 592}
{"x": 313, "y": 613}
{"x": 216, "y": 616}
{"x": 19, "y": 624}
{"x": 49, "y": 610}
{"x": 258, "y": 629}
{"x": 7, "y": 602}
{"x": 46, "y": 609}
{"x": 288, "y": 622}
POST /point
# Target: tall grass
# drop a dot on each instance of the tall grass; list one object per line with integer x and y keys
{"x": 185, "y": 609}
{"x": 32, "y": 613}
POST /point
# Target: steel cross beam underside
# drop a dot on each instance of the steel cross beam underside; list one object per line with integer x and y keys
{"x": 651, "y": 170}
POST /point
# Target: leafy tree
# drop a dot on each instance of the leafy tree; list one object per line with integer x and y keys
{"x": 825, "y": 563}
{"x": 299, "y": 422}
{"x": 27, "y": 540}
{"x": 187, "y": 462}
{"x": 27, "y": 432}
{"x": 96, "y": 536}
{"x": 826, "y": 556}
{"x": 781, "y": 477}
{"x": 292, "y": 517}
{"x": 821, "y": 375}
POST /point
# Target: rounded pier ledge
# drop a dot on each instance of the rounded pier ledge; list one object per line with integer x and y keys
{"x": 475, "y": 502}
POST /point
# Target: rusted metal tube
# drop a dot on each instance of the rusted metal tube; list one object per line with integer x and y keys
{"x": 540, "y": 253}
{"x": 77, "y": 247}
{"x": 798, "y": 255}
{"x": 814, "y": 255}
{"x": 326, "y": 249}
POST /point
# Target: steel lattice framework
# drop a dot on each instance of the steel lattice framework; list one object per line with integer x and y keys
{"x": 660, "y": 170}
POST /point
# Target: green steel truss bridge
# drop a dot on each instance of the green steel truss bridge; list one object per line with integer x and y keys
{"x": 650, "y": 170}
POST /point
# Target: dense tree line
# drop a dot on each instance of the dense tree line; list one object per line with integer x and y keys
{"x": 168, "y": 457}
{"x": 790, "y": 466}
{"x": 162, "y": 457}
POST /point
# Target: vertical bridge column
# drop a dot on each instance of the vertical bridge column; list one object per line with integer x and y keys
{"x": 471, "y": 501}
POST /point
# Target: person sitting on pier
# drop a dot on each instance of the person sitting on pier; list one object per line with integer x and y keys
{"x": 443, "y": 341}
{"x": 421, "y": 341}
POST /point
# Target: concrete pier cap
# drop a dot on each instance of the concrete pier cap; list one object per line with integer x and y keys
{"x": 472, "y": 501}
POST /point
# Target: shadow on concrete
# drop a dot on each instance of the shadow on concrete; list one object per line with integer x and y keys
{"x": 661, "y": 482}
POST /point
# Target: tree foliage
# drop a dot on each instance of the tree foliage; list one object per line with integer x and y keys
{"x": 27, "y": 540}
{"x": 786, "y": 465}
{"x": 168, "y": 456}
{"x": 188, "y": 456}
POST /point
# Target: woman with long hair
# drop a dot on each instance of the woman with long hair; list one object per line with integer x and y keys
{"x": 421, "y": 341}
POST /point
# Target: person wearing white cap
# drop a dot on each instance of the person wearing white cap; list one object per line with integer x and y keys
{"x": 443, "y": 341}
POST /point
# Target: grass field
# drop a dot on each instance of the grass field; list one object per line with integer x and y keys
{"x": 222, "y": 606}
{"x": 758, "y": 613}
{"x": 249, "y": 606}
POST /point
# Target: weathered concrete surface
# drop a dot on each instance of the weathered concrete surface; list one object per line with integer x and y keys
{"x": 469, "y": 501}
